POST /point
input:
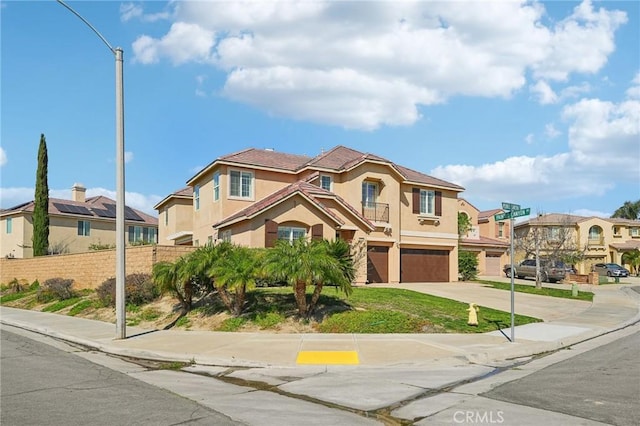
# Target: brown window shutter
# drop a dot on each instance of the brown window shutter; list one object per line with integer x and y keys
{"x": 416, "y": 200}
{"x": 316, "y": 232}
{"x": 438, "y": 203}
{"x": 270, "y": 233}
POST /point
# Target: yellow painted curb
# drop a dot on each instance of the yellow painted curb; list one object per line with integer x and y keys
{"x": 328, "y": 357}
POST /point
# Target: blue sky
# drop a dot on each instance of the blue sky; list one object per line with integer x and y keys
{"x": 535, "y": 103}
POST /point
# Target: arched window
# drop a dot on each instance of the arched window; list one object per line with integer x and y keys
{"x": 595, "y": 234}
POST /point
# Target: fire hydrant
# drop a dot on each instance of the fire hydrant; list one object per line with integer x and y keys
{"x": 473, "y": 314}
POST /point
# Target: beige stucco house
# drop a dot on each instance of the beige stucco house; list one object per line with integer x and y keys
{"x": 74, "y": 225}
{"x": 175, "y": 214}
{"x": 488, "y": 239}
{"x": 402, "y": 223}
{"x": 601, "y": 239}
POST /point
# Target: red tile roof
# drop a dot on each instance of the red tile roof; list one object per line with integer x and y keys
{"x": 484, "y": 241}
{"x": 303, "y": 188}
{"x": 267, "y": 158}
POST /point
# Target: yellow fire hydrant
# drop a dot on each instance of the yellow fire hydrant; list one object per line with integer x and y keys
{"x": 473, "y": 314}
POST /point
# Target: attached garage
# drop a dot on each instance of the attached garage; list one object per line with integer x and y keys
{"x": 419, "y": 265}
{"x": 377, "y": 264}
{"x": 492, "y": 265}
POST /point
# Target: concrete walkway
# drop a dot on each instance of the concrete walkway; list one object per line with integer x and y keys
{"x": 566, "y": 322}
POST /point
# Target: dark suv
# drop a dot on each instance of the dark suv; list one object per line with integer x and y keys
{"x": 550, "y": 270}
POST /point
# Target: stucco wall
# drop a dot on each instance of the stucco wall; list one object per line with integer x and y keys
{"x": 88, "y": 270}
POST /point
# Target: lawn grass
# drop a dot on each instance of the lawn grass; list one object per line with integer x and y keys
{"x": 61, "y": 304}
{"x": 544, "y": 291}
{"x": 389, "y": 310}
{"x": 15, "y": 296}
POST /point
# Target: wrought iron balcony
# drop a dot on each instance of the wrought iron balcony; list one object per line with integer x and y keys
{"x": 377, "y": 212}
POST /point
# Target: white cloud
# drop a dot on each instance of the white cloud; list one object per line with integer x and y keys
{"x": 529, "y": 139}
{"x": 589, "y": 213}
{"x": 128, "y": 156}
{"x": 604, "y": 147}
{"x": 3, "y": 157}
{"x": 364, "y": 65}
{"x": 634, "y": 91}
{"x": 130, "y": 11}
{"x": 544, "y": 92}
{"x": 551, "y": 132}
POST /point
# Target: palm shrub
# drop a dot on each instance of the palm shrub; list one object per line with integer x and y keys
{"x": 235, "y": 273}
{"x": 175, "y": 278}
{"x": 304, "y": 263}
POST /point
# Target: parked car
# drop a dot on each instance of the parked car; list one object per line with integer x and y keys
{"x": 550, "y": 270}
{"x": 610, "y": 270}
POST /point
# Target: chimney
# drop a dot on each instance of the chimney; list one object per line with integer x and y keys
{"x": 77, "y": 192}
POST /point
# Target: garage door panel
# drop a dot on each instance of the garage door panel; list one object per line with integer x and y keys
{"x": 419, "y": 265}
{"x": 378, "y": 264}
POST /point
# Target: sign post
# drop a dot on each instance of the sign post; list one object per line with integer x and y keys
{"x": 511, "y": 212}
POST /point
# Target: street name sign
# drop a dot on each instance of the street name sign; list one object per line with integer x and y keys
{"x": 509, "y": 206}
{"x": 512, "y": 214}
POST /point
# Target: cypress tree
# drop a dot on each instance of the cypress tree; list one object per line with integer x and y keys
{"x": 41, "y": 207}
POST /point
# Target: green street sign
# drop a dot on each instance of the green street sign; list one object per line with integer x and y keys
{"x": 512, "y": 214}
{"x": 510, "y": 207}
{"x": 518, "y": 213}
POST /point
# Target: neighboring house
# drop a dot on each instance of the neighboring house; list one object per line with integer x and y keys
{"x": 602, "y": 239}
{"x": 402, "y": 223}
{"x": 175, "y": 216}
{"x": 74, "y": 225}
{"x": 487, "y": 238}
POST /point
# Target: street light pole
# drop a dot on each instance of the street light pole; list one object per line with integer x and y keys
{"x": 121, "y": 331}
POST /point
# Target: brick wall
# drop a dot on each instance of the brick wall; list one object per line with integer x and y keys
{"x": 88, "y": 270}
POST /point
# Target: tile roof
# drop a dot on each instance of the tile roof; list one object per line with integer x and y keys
{"x": 484, "y": 241}
{"x": 304, "y": 188}
{"x": 92, "y": 204}
{"x": 338, "y": 159}
{"x": 267, "y": 158}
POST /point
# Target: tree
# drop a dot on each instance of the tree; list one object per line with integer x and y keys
{"x": 41, "y": 203}
{"x": 234, "y": 274}
{"x": 632, "y": 258}
{"x": 175, "y": 278}
{"x": 467, "y": 265}
{"x": 629, "y": 210}
{"x": 555, "y": 241}
{"x": 304, "y": 263}
{"x": 464, "y": 224}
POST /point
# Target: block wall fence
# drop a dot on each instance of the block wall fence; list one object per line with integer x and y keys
{"x": 88, "y": 270}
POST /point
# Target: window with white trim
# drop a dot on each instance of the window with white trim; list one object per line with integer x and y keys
{"x": 427, "y": 202}
{"x": 326, "y": 182}
{"x": 634, "y": 232}
{"x": 240, "y": 184}
{"x": 142, "y": 234}
{"x": 9, "y": 225}
{"x": 291, "y": 233}
{"x": 84, "y": 228}
{"x": 196, "y": 197}
{"x": 369, "y": 193}
{"x": 500, "y": 229}
{"x": 216, "y": 186}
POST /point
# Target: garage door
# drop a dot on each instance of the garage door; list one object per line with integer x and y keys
{"x": 493, "y": 265}
{"x": 424, "y": 265}
{"x": 378, "y": 264}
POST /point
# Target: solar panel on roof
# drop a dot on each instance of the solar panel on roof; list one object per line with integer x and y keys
{"x": 129, "y": 214}
{"x": 71, "y": 209}
{"x": 104, "y": 213}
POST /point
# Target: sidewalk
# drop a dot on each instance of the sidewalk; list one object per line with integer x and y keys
{"x": 566, "y": 322}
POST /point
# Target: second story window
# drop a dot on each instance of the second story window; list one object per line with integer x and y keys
{"x": 325, "y": 182}
{"x": 427, "y": 202}
{"x": 84, "y": 228}
{"x": 634, "y": 232}
{"x": 240, "y": 184}
{"x": 500, "y": 229}
{"x": 166, "y": 216}
{"x": 216, "y": 186}
{"x": 196, "y": 197}
{"x": 369, "y": 194}
{"x": 9, "y": 227}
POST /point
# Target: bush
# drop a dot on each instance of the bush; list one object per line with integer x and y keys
{"x": 139, "y": 290}
{"x": 55, "y": 289}
{"x": 467, "y": 265}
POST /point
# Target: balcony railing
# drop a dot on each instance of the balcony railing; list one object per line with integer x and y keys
{"x": 377, "y": 212}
